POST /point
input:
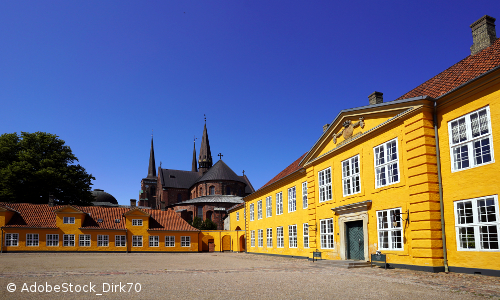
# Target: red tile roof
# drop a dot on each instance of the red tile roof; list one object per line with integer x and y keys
{"x": 465, "y": 70}
{"x": 287, "y": 171}
{"x": 43, "y": 216}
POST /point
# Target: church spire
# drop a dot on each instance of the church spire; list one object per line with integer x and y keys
{"x": 205, "y": 159}
{"x": 152, "y": 165}
{"x": 194, "y": 167}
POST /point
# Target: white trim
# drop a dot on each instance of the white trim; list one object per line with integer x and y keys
{"x": 68, "y": 220}
{"x": 68, "y": 240}
{"x": 383, "y": 164}
{"x": 269, "y": 237}
{"x": 154, "y": 241}
{"x": 252, "y": 238}
{"x": 102, "y": 240}
{"x": 260, "y": 238}
{"x": 11, "y": 238}
{"x": 32, "y": 239}
{"x": 185, "y": 241}
{"x": 385, "y": 225}
{"x": 120, "y": 241}
{"x": 84, "y": 240}
{"x": 304, "y": 195}
{"x": 169, "y": 241}
{"x": 54, "y": 242}
{"x": 259, "y": 210}
{"x": 269, "y": 207}
{"x": 137, "y": 241}
{"x": 351, "y": 176}
{"x": 279, "y": 203}
{"x": 327, "y": 234}
{"x": 252, "y": 217}
{"x": 325, "y": 184}
{"x": 292, "y": 236}
{"x": 280, "y": 239}
{"x": 305, "y": 234}
{"x": 136, "y": 222}
{"x": 292, "y": 199}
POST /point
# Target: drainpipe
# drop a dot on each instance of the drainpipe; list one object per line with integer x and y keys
{"x": 1, "y": 245}
{"x": 126, "y": 239}
{"x": 438, "y": 156}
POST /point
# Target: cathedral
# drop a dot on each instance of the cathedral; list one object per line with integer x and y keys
{"x": 206, "y": 192}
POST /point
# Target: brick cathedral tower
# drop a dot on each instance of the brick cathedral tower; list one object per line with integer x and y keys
{"x": 205, "y": 159}
{"x": 147, "y": 195}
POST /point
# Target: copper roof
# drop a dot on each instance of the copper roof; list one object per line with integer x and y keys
{"x": 287, "y": 171}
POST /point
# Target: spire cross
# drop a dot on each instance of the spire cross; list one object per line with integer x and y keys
{"x": 243, "y": 172}
{"x": 160, "y": 164}
{"x": 220, "y": 155}
{"x": 205, "y": 118}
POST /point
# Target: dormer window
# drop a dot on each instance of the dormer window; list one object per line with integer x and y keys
{"x": 136, "y": 222}
{"x": 69, "y": 220}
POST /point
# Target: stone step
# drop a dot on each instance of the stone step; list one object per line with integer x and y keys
{"x": 345, "y": 264}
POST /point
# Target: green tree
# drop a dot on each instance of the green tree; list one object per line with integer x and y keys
{"x": 32, "y": 165}
{"x": 208, "y": 224}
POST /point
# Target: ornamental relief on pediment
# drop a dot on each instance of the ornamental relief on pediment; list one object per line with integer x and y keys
{"x": 348, "y": 129}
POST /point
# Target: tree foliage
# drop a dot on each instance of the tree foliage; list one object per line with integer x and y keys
{"x": 208, "y": 224}
{"x": 32, "y": 165}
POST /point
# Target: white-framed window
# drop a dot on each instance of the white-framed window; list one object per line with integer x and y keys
{"x": 251, "y": 212}
{"x": 154, "y": 241}
{"x": 279, "y": 203}
{"x": 390, "y": 229}
{"x": 185, "y": 241}
{"x": 259, "y": 209}
{"x": 252, "y": 238}
{"x": 477, "y": 224}
{"x": 52, "y": 240}
{"x": 325, "y": 184}
{"x": 306, "y": 235}
{"x": 326, "y": 234}
{"x": 120, "y": 241}
{"x": 386, "y": 163}
{"x": 292, "y": 236}
{"x": 280, "y": 241}
{"x": 32, "y": 239}
{"x": 170, "y": 241}
{"x": 69, "y": 220}
{"x": 12, "y": 239}
{"x": 292, "y": 202}
{"x": 304, "y": 194}
{"x": 136, "y": 222}
{"x": 68, "y": 240}
{"x": 137, "y": 241}
{"x": 84, "y": 240}
{"x": 102, "y": 240}
{"x": 269, "y": 236}
{"x": 269, "y": 206}
{"x": 350, "y": 176}
{"x": 471, "y": 142}
{"x": 237, "y": 216}
{"x": 260, "y": 238}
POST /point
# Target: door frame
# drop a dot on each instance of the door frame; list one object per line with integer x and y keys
{"x": 348, "y": 240}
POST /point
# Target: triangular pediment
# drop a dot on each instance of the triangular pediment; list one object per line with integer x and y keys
{"x": 136, "y": 212}
{"x": 68, "y": 209}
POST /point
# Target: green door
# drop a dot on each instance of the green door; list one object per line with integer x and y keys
{"x": 355, "y": 240}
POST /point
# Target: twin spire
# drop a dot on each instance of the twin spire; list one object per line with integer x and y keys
{"x": 152, "y": 165}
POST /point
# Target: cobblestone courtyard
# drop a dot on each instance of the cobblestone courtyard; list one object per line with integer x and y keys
{"x": 221, "y": 275}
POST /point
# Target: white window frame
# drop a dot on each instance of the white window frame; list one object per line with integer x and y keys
{"x": 251, "y": 212}
{"x": 269, "y": 206}
{"x": 465, "y": 140}
{"x": 382, "y": 164}
{"x": 292, "y": 199}
{"x": 269, "y": 237}
{"x": 68, "y": 220}
{"x": 327, "y": 234}
{"x": 137, "y": 241}
{"x": 475, "y": 227}
{"x": 260, "y": 238}
{"x": 292, "y": 236}
{"x": 259, "y": 209}
{"x": 12, "y": 239}
{"x": 393, "y": 232}
{"x": 169, "y": 241}
{"x": 351, "y": 179}
{"x": 154, "y": 241}
{"x": 102, "y": 240}
{"x": 325, "y": 184}
{"x": 32, "y": 240}
{"x": 304, "y": 195}
{"x": 237, "y": 216}
{"x": 84, "y": 240}
{"x": 185, "y": 241}
{"x": 252, "y": 238}
{"x": 279, "y": 203}
{"x": 280, "y": 239}
{"x": 136, "y": 222}
{"x": 120, "y": 241}
{"x": 52, "y": 240}
{"x": 68, "y": 240}
{"x": 305, "y": 228}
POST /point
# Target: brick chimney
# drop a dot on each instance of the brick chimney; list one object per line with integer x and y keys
{"x": 376, "y": 98}
{"x": 51, "y": 200}
{"x": 162, "y": 205}
{"x": 132, "y": 203}
{"x": 325, "y": 127}
{"x": 483, "y": 34}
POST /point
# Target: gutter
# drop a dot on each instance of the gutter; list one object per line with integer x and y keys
{"x": 1, "y": 245}
{"x": 438, "y": 157}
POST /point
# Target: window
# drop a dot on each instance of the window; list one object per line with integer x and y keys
{"x": 170, "y": 241}
{"x": 260, "y": 237}
{"x": 120, "y": 241}
{"x": 477, "y": 224}
{"x": 102, "y": 240}
{"x": 137, "y": 241}
{"x": 292, "y": 236}
{"x": 136, "y": 222}
{"x": 470, "y": 135}
{"x": 292, "y": 203}
{"x": 179, "y": 197}
{"x": 304, "y": 194}
{"x": 259, "y": 209}
{"x": 386, "y": 163}
{"x": 280, "y": 242}
{"x": 69, "y": 220}
{"x": 269, "y": 206}
{"x": 251, "y": 212}
{"x": 12, "y": 239}
{"x": 154, "y": 241}
{"x": 390, "y": 230}
{"x": 185, "y": 241}
{"x": 237, "y": 216}
{"x": 32, "y": 239}
{"x": 306, "y": 235}
{"x": 325, "y": 185}
{"x": 252, "y": 238}
{"x": 211, "y": 190}
{"x": 200, "y": 212}
{"x": 84, "y": 240}
{"x": 350, "y": 176}
{"x": 52, "y": 240}
{"x": 228, "y": 191}
{"x": 68, "y": 240}
{"x": 269, "y": 235}
{"x": 279, "y": 203}
{"x": 326, "y": 234}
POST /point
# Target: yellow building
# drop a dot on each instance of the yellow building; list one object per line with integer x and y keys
{"x": 412, "y": 178}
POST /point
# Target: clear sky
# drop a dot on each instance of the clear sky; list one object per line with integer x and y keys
{"x": 268, "y": 74}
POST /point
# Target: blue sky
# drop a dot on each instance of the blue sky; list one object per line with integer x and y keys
{"x": 268, "y": 74}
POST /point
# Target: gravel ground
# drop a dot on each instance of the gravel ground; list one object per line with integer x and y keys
{"x": 222, "y": 275}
